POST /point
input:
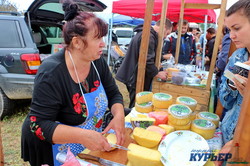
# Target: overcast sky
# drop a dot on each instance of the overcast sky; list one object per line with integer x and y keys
{"x": 24, "y": 4}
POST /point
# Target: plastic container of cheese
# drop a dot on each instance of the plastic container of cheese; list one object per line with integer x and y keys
{"x": 179, "y": 114}
{"x": 203, "y": 127}
{"x": 188, "y": 101}
{"x": 209, "y": 116}
{"x": 162, "y": 100}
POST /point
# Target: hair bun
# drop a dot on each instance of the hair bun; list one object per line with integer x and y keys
{"x": 70, "y": 11}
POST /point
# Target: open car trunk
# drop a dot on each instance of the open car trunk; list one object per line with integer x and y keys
{"x": 45, "y": 18}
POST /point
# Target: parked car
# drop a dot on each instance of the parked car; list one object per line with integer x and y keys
{"x": 124, "y": 35}
{"x": 26, "y": 41}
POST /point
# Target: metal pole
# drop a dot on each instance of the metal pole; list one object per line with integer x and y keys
{"x": 110, "y": 38}
{"x": 204, "y": 44}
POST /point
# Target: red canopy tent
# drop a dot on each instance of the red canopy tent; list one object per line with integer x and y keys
{"x": 136, "y": 8}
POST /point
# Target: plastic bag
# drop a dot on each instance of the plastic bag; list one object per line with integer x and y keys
{"x": 71, "y": 159}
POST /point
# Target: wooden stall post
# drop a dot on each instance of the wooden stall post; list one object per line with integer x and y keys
{"x": 180, "y": 24}
{"x": 160, "y": 34}
{"x": 242, "y": 132}
{"x": 144, "y": 46}
{"x": 217, "y": 42}
{"x": 1, "y": 148}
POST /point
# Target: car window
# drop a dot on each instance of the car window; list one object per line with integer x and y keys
{"x": 52, "y": 34}
{"x": 124, "y": 33}
{"x": 10, "y": 38}
{"x": 52, "y": 7}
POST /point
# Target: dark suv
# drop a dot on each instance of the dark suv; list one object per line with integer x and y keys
{"x": 25, "y": 41}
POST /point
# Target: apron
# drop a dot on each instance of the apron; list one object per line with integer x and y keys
{"x": 96, "y": 103}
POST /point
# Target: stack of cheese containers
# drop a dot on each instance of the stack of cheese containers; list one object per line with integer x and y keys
{"x": 190, "y": 102}
{"x": 147, "y": 102}
{"x": 143, "y": 102}
{"x": 161, "y": 101}
{"x": 179, "y": 116}
{"x": 205, "y": 124}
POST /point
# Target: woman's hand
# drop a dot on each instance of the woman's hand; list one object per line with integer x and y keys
{"x": 94, "y": 140}
{"x": 225, "y": 149}
{"x": 117, "y": 123}
{"x": 240, "y": 86}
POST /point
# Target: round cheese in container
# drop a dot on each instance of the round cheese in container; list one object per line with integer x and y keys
{"x": 188, "y": 101}
{"x": 144, "y": 97}
{"x": 181, "y": 127}
{"x": 209, "y": 116}
{"x": 203, "y": 127}
{"x": 144, "y": 107}
{"x": 162, "y": 100}
{"x": 179, "y": 114}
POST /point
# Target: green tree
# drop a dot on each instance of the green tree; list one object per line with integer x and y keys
{"x": 6, "y": 5}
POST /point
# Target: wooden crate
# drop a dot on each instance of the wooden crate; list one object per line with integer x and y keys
{"x": 201, "y": 95}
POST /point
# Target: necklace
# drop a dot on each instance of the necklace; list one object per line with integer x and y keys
{"x": 78, "y": 80}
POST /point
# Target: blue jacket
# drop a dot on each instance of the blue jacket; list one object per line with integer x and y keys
{"x": 231, "y": 99}
{"x": 187, "y": 50}
{"x": 223, "y": 56}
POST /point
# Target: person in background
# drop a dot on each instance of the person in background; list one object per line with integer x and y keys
{"x": 72, "y": 91}
{"x": 238, "y": 22}
{"x": 222, "y": 59}
{"x": 188, "y": 47}
{"x": 198, "y": 55}
{"x": 210, "y": 36}
{"x": 127, "y": 73}
{"x": 221, "y": 62}
{"x": 202, "y": 40}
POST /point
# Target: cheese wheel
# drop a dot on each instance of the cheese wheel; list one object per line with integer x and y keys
{"x": 112, "y": 139}
{"x": 161, "y": 117}
{"x": 181, "y": 127}
{"x": 203, "y": 127}
{"x": 179, "y": 114}
{"x": 146, "y": 138}
{"x": 141, "y": 156}
{"x": 144, "y": 107}
{"x": 144, "y": 97}
{"x": 188, "y": 101}
{"x": 142, "y": 122}
{"x": 162, "y": 100}
{"x": 209, "y": 116}
{"x": 167, "y": 128}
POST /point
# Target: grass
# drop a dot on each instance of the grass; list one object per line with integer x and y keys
{"x": 11, "y": 132}
{"x": 11, "y": 137}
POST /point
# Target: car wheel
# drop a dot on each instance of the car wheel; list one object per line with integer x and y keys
{"x": 6, "y": 105}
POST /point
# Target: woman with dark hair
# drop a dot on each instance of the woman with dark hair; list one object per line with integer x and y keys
{"x": 72, "y": 91}
{"x": 238, "y": 22}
